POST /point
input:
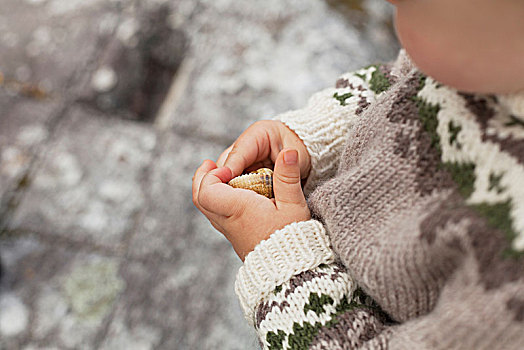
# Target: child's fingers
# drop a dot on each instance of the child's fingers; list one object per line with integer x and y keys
{"x": 241, "y": 156}
{"x": 206, "y": 167}
{"x": 219, "y": 198}
{"x": 250, "y": 147}
{"x": 202, "y": 170}
{"x": 286, "y": 180}
{"x": 211, "y": 184}
{"x": 222, "y": 158}
{"x": 266, "y": 163}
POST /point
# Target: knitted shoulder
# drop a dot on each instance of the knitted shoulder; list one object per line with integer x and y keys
{"x": 368, "y": 83}
{"x": 379, "y": 77}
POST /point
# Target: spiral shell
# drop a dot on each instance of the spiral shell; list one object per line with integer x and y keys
{"x": 260, "y": 181}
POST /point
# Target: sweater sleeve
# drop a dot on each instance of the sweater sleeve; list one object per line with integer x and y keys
{"x": 297, "y": 296}
{"x": 324, "y": 123}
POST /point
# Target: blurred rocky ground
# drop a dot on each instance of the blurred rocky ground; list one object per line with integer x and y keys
{"x": 106, "y": 109}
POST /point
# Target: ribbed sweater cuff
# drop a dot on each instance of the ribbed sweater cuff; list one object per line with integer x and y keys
{"x": 296, "y": 248}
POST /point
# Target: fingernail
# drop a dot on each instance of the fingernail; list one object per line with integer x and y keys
{"x": 291, "y": 157}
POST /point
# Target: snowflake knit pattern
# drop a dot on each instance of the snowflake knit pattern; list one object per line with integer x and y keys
{"x": 417, "y": 241}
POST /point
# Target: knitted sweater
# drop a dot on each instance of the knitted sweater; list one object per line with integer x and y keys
{"x": 417, "y": 241}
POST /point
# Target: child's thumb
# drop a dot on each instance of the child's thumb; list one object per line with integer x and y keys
{"x": 286, "y": 179}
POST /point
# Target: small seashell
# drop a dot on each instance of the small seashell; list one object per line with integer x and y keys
{"x": 260, "y": 181}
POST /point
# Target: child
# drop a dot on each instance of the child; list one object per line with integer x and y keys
{"x": 415, "y": 182}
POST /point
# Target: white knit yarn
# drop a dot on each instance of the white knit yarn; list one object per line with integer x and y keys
{"x": 324, "y": 123}
{"x": 329, "y": 280}
{"x": 296, "y": 248}
{"x": 487, "y": 156}
{"x": 514, "y": 103}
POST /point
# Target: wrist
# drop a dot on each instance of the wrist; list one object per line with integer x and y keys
{"x": 296, "y": 248}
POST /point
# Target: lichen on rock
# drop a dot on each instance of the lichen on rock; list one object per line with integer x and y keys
{"x": 91, "y": 289}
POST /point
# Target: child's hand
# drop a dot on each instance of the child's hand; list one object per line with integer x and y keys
{"x": 259, "y": 146}
{"x": 243, "y": 216}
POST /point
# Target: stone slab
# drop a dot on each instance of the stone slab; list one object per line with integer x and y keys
{"x": 105, "y": 249}
{"x": 189, "y": 301}
{"x": 46, "y": 43}
{"x": 255, "y": 60}
{"x": 66, "y": 293}
{"x": 24, "y": 129}
{"x": 165, "y": 230}
{"x": 181, "y": 263}
{"x": 88, "y": 184}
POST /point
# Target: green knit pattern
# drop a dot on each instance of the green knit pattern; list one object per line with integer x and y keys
{"x": 342, "y": 98}
{"x": 463, "y": 173}
{"x": 304, "y": 333}
{"x": 311, "y": 303}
